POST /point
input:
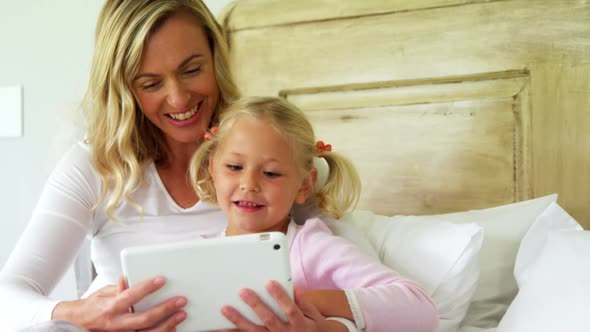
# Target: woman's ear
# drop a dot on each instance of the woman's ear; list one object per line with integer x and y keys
{"x": 307, "y": 186}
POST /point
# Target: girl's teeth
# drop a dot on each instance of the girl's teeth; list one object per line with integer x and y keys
{"x": 247, "y": 204}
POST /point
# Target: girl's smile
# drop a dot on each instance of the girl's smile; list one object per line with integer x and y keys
{"x": 256, "y": 177}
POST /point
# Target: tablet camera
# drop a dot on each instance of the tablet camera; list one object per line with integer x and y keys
{"x": 277, "y": 246}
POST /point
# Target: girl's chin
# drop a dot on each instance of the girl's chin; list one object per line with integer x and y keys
{"x": 244, "y": 228}
{"x": 251, "y": 229}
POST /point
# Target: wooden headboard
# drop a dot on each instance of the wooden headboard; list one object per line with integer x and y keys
{"x": 443, "y": 105}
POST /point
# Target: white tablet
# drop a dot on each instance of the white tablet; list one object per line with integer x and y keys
{"x": 210, "y": 273}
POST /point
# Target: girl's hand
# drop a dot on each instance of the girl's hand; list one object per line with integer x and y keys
{"x": 108, "y": 309}
{"x": 330, "y": 302}
{"x": 301, "y": 315}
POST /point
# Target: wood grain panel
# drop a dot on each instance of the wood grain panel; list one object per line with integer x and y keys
{"x": 428, "y": 146}
{"x": 427, "y": 158}
{"x": 480, "y": 38}
{"x": 351, "y": 55}
{"x": 561, "y": 130}
{"x": 431, "y": 90}
{"x": 262, "y": 13}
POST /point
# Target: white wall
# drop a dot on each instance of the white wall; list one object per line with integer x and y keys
{"x": 46, "y": 47}
{"x": 215, "y": 6}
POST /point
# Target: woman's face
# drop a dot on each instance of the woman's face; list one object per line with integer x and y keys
{"x": 176, "y": 86}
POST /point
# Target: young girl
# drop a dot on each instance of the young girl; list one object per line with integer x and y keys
{"x": 256, "y": 165}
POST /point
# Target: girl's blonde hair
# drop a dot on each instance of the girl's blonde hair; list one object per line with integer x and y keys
{"x": 338, "y": 194}
{"x": 123, "y": 141}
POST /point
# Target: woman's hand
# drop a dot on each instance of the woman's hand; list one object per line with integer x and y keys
{"x": 301, "y": 315}
{"x": 108, "y": 309}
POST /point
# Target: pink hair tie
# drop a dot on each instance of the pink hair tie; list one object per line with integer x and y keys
{"x": 209, "y": 135}
{"x": 321, "y": 147}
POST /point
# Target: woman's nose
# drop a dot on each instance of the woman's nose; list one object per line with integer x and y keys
{"x": 178, "y": 96}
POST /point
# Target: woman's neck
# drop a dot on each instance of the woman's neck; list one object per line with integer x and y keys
{"x": 178, "y": 155}
{"x": 173, "y": 172}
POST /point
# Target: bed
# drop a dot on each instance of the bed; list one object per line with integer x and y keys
{"x": 463, "y": 118}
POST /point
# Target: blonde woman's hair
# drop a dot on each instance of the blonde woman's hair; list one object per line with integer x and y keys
{"x": 338, "y": 194}
{"x": 123, "y": 141}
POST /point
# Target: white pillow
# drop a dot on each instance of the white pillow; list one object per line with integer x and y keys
{"x": 440, "y": 256}
{"x": 351, "y": 227}
{"x": 553, "y": 219}
{"x": 504, "y": 227}
{"x": 554, "y": 293}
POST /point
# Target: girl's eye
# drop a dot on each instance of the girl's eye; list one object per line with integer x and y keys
{"x": 271, "y": 174}
{"x": 233, "y": 167}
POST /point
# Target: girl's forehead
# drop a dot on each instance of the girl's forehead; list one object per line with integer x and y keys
{"x": 255, "y": 125}
{"x": 255, "y": 136}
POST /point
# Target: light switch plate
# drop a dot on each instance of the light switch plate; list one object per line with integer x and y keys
{"x": 11, "y": 111}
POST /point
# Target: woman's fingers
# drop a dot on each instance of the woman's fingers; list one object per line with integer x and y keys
{"x": 122, "y": 284}
{"x": 110, "y": 290}
{"x": 152, "y": 317}
{"x": 159, "y": 317}
{"x": 108, "y": 308}
{"x": 134, "y": 294}
{"x": 170, "y": 323}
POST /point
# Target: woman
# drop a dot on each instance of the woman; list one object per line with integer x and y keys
{"x": 159, "y": 78}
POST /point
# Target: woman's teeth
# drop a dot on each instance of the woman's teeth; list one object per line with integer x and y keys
{"x": 184, "y": 116}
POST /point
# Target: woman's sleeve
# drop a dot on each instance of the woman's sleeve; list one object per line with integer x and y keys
{"x": 50, "y": 242}
{"x": 383, "y": 300}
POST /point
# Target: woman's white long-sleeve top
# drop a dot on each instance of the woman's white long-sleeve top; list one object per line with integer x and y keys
{"x": 64, "y": 216}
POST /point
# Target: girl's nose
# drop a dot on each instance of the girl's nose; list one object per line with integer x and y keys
{"x": 249, "y": 182}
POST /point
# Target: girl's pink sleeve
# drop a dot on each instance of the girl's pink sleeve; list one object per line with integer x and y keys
{"x": 386, "y": 301}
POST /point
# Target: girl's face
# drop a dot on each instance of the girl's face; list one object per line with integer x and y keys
{"x": 176, "y": 86}
{"x": 257, "y": 178}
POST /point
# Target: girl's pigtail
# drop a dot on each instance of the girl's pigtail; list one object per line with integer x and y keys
{"x": 200, "y": 178}
{"x": 342, "y": 188}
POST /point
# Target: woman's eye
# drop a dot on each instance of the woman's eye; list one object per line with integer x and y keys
{"x": 233, "y": 167}
{"x": 193, "y": 70}
{"x": 150, "y": 85}
{"x": 271, "y": 174}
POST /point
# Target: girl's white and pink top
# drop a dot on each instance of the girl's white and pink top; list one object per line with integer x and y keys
{"x": 380, "y": 299}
